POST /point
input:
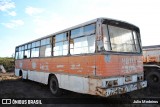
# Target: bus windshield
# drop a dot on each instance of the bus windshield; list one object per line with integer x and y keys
{"x": 121, "y": 39}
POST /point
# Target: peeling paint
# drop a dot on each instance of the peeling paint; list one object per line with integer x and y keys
{"x": 129, "y": 64}
{"x": 93, "y": 67}
{"x": 20, "y": 64}
{"x": 73, "y": 66}
{"x": 34, "y": 65}
{"x": 60, "y": 66}
{"x": 121, "y": 89}
{"x": 107, "y": 58}
{"x": 44, "y": 66}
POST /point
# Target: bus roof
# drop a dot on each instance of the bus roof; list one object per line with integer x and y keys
{"x": 79, "y": 25}
{"x": 151, "y": 47}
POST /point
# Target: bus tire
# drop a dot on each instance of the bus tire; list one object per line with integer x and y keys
{"x": 153, "y": 79}
{"x": 23, "y": 78}
{"x": 54, "y": 86}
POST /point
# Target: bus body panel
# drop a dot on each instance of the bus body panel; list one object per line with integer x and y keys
{"x": 84, "y": 74}
{"x": 94, "y": 65}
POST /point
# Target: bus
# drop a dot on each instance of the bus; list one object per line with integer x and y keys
{"x": 100, "y": 57}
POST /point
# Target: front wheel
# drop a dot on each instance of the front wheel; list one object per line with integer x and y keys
{"x": 153, "y": 79}
{"x": 54, "y": 86}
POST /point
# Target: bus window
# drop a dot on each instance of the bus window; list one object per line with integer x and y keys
{"x": 26, "y": 47}
{"x": 91, "y": 43}
{"x": 35, "y": 52}
{"x": 58, "y": 49}
{"x": 45, "y": 49}
{"x": 82, "y": 45}
{"x": 33, "y": 44}
{"x": 83, "y": 40}
{"x": 48, "y": 50}
{"x": 77, "y": 32}
{"x": 105, "y": 38}
{"x": 90, "y": 29}
{"x": 37, "y": 43}
{"x": 27, "y": 54}
{"x": 17, "y": 55}
{"x": 29, "y": 46}
{"x": 19, "y": 49}
{"x": 21, "y": 53}
{"x": 121, "y": 39}
{"x": 136, "y": 41}
{"x": 22, "y": 48}
{"x": 60, "y": 44}
{"x": 46, "y": 41}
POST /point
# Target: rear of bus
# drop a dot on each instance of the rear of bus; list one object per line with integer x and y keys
{"x": 119, "y": 65}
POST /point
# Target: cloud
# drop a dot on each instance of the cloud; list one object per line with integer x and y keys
{"x": 33, "y": 11}
{"x": 13, "y": 23}
{"x": 6, "y": 5}
{"x": 52, "y": 24}
{"x": 12, "y": 13}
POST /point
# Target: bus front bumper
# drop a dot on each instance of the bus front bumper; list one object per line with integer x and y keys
{"x": 106, "y": 92}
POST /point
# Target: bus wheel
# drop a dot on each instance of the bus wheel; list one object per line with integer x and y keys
{"x": 22, "y": 76}
{"x": 153, "y": 79}
{"x": 54, "y": 86}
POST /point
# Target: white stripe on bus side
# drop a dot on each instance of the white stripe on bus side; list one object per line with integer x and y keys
{"x": 69, "y": 82}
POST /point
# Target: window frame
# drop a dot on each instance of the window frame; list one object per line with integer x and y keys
{"x": 84, "y": 34}
{"x": 63, "y": 41}
{"x": 45, "y": 42}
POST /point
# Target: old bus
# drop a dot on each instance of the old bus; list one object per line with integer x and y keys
{"x": 99, "y": 57}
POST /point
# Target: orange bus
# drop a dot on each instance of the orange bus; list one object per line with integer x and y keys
{"x": 100, "y": 57}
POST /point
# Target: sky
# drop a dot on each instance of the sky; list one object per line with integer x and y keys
{"x": 22, "y": 21}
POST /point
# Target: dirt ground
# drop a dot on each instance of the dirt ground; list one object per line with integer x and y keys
{"x": 13, "y": 87}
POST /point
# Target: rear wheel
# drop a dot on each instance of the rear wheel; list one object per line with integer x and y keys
{"x": 21, "y": 74}
{"x": 153, "y": 78}
{"x": 54, "y": 86}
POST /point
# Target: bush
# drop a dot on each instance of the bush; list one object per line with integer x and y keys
{"x": 8, "y": 63}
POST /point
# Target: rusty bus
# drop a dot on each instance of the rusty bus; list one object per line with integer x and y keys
{"x": 99, "y": 57}
{"x": 151, "y": 59}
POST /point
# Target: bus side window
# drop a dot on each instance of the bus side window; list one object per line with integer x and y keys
{"x": 91, "y": 43}
{"x": 17, "y": 53}
{"x": 77, "y": 32}
{"x": 82, "y": 44}
{"x": 27, "y": 54}
{"x": 60, "y": 46}
{"x": 89, "y": 29}
{"x": 21, "y": 52}
{"x": 45, "y": 49}
{"x": 106, "y": 41}
{"x": 35, "y": 52}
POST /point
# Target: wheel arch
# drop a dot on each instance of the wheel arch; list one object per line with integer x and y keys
{"x": 54, "y": 75}
{"x": 150, "y": 68}
{"x": 20, "y": 72}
